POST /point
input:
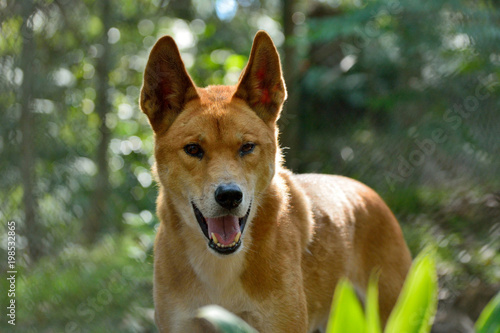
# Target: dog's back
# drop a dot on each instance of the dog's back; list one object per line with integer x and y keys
{"x": 354, "y": 234}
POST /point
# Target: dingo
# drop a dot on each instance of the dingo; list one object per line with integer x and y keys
{"x": 239, "y": 230}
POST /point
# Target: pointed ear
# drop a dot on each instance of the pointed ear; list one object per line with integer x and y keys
{"x": 261, "y": 83}
{"x": 167, "y": 86}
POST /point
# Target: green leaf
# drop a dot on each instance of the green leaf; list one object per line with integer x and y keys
{"x": 346, "y": 314}
{"x": 223, "y": 320}
{"x": 416, "y": 305}
{"x": 489, "y": 320}
{"x": 372, "y": 312}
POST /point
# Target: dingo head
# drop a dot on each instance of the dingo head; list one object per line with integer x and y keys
{"x": 216, "y": 147}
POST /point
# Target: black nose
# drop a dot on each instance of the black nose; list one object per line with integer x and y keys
{"x": 228, "y": 195}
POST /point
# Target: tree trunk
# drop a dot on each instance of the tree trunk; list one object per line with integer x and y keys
{"x": 98, "y": 210}
{"x": 290, "y": 116}
{"x": 28, "y": 156}
{"x": 182, "y": 9}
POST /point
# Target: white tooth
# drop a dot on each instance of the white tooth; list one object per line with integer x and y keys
{"x": 237, "y": 238}
{"x": 216, "y": 241}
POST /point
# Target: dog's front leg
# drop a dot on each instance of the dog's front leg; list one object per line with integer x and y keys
{"x": 286, "y": 312}
{"x": 182, "y": 323}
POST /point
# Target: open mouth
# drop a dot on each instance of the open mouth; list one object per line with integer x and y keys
{"x": 223, "y": 233}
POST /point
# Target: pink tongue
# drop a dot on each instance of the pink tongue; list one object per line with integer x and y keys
{"x": 225, "y": 228}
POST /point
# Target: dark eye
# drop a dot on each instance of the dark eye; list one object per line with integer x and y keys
{"x": 247, "y": 148}
{"x": 194, "y": 150}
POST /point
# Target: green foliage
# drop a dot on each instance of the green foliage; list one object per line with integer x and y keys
{"x": 346, "y": 314}
{"x": 489, "y": 320}
{"x": 417, "y": 303}
{"x": 106, "y": 289}
{"x": 371, "y": 309}
{"x": 413, "y": 311}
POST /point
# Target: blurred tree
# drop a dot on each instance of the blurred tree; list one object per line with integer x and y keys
{"x": 183, "y": 9}
{"x": 28, "y": 130}
{"x": 290, "y": 66}
{"x": 98, "y": 211}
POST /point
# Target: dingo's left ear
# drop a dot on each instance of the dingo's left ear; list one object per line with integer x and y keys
{"x": 261, "y": 83}
{"x": 167, "y": 86}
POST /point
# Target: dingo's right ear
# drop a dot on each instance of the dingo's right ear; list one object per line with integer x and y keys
{"x": 167, "y": 86}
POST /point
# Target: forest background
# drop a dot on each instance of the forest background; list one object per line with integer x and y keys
{"x": 402, "y": 95}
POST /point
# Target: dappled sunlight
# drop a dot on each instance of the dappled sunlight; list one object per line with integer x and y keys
{"x": 399, "y": 95}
